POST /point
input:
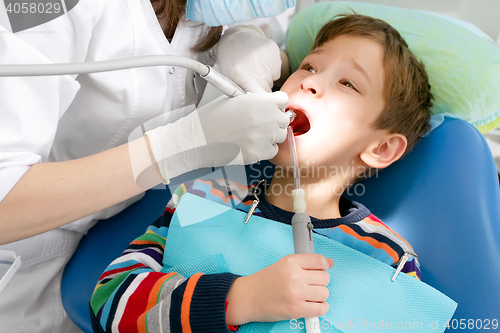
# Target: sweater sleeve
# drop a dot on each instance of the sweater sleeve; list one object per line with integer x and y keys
{"x": 133, "y": 295}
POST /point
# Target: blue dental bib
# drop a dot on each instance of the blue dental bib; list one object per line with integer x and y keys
{"x": 208, "y": 237}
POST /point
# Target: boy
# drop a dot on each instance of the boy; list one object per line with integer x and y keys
{"x": 362, "y": 100}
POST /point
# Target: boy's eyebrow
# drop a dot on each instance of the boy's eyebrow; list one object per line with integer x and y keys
{"x": 353, "y": 62}
{"x": 317, "y": 50}
{"x": 360, "y": 69}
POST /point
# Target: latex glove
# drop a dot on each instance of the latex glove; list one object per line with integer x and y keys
{"x": 292, "y": 287}
{"x": 240, "y": 130}
{"x": 248, "y": 58}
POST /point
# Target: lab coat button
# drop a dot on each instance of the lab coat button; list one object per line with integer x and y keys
{"x": 172, "y": 70}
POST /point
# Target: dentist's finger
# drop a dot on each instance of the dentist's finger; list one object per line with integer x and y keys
{"x": 281, "y": 99}
{"x": 256, "y": 88}
{"x": 280, "y": 137}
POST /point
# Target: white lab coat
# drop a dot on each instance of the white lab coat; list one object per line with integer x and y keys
{"x": 62, "y": 118}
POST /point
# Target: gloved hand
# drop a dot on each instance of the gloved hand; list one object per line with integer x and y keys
{"x": 248, "y": 126}
{"x": 248, "y": 58}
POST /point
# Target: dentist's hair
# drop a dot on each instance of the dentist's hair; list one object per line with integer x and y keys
{"x": 170, "y": 12}
{"x": 406, "y": 85}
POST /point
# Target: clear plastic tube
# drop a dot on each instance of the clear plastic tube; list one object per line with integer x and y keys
{"x": 293, "y": 152}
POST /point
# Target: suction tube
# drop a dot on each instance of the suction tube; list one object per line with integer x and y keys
{"x": 301, "y": 222}
{"x": 219, "y": 81}
{"x": 303, "y": 241}
{"x": 293, "y": 155}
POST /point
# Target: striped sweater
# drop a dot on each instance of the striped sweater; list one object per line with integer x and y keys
{"x": 132, "y": 295}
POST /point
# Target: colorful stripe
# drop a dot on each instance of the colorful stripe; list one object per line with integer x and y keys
{"x": 186, "y": 302}
{"x": 371, "y": 241}
{"x": 373, "y": 220}
{"x": 222, "y": 194}
{"x": 152, "y": 301}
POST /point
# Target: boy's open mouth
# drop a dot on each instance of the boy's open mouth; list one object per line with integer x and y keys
{"x": 300, "y": 124}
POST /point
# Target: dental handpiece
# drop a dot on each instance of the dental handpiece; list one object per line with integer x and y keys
{"x": 219, "y": 81}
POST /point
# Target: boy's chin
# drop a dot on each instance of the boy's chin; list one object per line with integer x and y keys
{"x": 281, "y": 160}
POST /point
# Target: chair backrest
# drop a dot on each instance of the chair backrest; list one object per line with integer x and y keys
{"x": 443, "y": 198}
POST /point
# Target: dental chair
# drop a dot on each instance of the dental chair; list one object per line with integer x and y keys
{"x": 443, "y": 197}
{"x": 103, "y": 243}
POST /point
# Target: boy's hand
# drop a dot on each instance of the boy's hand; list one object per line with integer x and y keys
{"x": 293, "y": 287}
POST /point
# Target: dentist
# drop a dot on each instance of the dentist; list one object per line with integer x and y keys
{"x": 65, "y": 159}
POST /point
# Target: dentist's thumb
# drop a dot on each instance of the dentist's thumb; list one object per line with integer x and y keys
{"x": 281, "y": 99}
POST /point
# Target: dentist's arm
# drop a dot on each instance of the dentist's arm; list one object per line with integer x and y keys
{"x": 240, "y": 130}
{"x": 50, "y": 195}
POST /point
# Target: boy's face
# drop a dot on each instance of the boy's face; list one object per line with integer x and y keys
{"x": 337, "y": 93}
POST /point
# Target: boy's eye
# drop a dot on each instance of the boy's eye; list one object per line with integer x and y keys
{"x": 348, "y": 84}
{"x": 308, "y": 68}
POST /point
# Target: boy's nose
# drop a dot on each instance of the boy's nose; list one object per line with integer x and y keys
{"x": 311, "y": 86}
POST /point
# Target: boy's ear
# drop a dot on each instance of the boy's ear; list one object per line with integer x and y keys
{"x": 385, "y": 152}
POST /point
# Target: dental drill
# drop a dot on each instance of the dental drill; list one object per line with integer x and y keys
{"x": 219, "y": 81}
{"x": 301, "y": 222}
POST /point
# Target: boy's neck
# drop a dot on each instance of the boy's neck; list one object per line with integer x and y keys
{"x": 322, "y": 195}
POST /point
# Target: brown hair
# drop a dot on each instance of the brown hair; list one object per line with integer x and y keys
{"x": 406, "y": 85}
{"x": 169, "y": 12}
